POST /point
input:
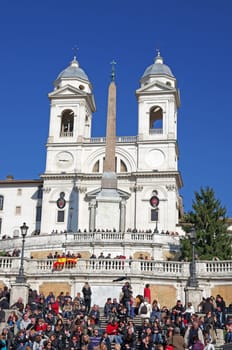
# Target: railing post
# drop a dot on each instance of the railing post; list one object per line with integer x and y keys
{"x": 135, "y": 267}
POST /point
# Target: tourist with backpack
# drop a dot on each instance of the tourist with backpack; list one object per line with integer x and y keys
{"x": 145, "y": 310}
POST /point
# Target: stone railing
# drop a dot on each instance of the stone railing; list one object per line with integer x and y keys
{"x": 141, "y": 236}
{"x": 66, "y": 134}
{"x": 88, "y": 236}
{"x": 96, "y": 236}
{"x": 56, "y": 241}
{"x": 123, "y": 139}
{"x": 7, "y": 263}
{"x": 214, "y": 268}
{"x": 156, "y": 131}
{"x": 161, "y": 269}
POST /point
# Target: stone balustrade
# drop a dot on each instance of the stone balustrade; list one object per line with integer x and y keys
{"x": 124, "y": 139}
{"x": 152, "y": 243}
{"x": 169, "y": 269}
{"x": 214, "y": 268}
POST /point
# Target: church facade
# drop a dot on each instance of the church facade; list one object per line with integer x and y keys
{"x": 65, "y": 198}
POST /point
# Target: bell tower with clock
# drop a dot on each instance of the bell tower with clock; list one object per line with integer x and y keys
{"x": 71, "y": 107}
{"x": 158, "y": 102}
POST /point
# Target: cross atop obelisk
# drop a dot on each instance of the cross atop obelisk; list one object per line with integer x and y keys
{"x": 113, "y": 70}
{"x": 109, "y": 179}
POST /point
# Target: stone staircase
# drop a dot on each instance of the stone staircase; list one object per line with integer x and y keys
{"x": 136, "y": 321}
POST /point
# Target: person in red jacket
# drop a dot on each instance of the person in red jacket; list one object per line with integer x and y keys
{"x": 41, "y": 325}
{"x": 147, "y": 293}
{"x": 112, "y": 329}
{"x": 55, "y": 305}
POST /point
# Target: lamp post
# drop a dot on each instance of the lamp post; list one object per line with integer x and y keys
{"x": 156, "y": 220}
{"x": 193, "y": 280}
{"x": 135, "y": 188}
{"x": 70, "y": 219}
{"x": 21, "y": 277}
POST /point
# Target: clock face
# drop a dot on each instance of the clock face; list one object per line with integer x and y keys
{"x": 154, "y": 201}
{"x": 64, "y": 159}
{"x": 61, "y": 202}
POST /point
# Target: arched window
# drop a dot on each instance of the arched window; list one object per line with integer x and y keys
{"x": 123, "y": 167}
{"x": 120, "y": 165}
{"x": 156, "y": 120}
{"x": 67, "y": 123}
{"x": 96, "y": 167}
{"x": 1, "y": 202}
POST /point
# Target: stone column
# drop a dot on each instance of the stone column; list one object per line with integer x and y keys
{"x": 92, "y": 215}
{"x": 122, "y": 216}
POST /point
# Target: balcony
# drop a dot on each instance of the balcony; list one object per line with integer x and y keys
{"x": 155, "y": 131}
{"x": 66, "y": 134}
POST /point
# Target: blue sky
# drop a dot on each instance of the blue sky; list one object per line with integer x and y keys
{"x": 194, "y": 38}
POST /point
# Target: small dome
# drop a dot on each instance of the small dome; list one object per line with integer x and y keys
{"x": 158, "y": 68}
{"x": 73, "y": 71}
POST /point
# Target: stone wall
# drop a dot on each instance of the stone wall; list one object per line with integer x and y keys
{"x": 225, "y": 291}
{"x": 165, "y": 294}
{"x": 54, "y": 287}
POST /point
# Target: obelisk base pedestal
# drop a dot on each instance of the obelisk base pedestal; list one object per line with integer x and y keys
{"x": 193, "y": 295}
{"x": 19, "y": 290}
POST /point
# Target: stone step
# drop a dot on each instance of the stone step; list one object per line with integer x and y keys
{"x": 220, "y": 337}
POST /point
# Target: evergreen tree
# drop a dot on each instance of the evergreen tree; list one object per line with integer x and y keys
{"x": 208, "y": 218}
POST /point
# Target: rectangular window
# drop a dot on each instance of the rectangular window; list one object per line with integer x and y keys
{"x": 154, "y": 215}
{"x": 1, "y": 202}
{"x": 18, "y": 210}
{"x": 60, "y": 216}
{"x": 19, "y": 192}
{"x": 0, "y": 225}
{"x": 38, "y": 214}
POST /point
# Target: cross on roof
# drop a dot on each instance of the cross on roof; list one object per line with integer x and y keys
{"x": 75, "y": 49}
{"x": 158, "y": 52}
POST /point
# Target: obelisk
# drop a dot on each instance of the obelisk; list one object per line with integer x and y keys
{"x": 109, "y": 178}
{"x": 108, "y": 200}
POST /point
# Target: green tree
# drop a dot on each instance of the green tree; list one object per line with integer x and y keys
{"x": 208, "y": 218}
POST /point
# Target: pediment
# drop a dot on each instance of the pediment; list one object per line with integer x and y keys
{"x": 67, "y": 90}
{"x": 156, "y": 86}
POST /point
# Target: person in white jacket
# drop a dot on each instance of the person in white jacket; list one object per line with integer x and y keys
{"x": 189, "y": 310}
{"x": 145, "y": 315}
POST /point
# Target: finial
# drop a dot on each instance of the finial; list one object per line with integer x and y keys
{"x": 158, "y": 58}
{"x": 113, "y": 70}
{"x": 75, "y": 49}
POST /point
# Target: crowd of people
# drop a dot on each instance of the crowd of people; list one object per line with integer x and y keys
{"x": 68, "y": 254}
{"x": 129, "y": 230}
{"x": 102, "y": 255}
{"x": 15, "y": 253}
{"x": 64, "y": 322}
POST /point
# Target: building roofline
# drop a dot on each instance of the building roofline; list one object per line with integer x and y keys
{"x": 21, "y": 182}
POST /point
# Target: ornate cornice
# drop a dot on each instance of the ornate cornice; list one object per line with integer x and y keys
{"x": 139, "y": 174}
